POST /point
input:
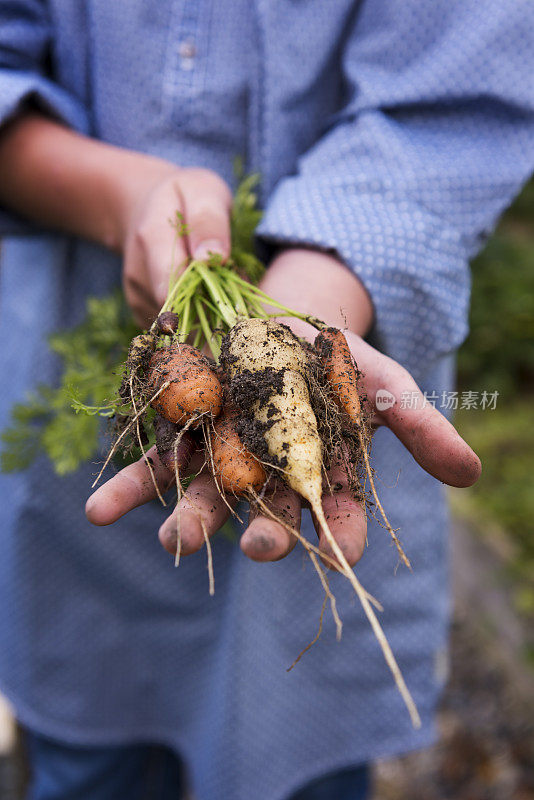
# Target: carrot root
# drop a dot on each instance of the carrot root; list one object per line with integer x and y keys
{"x": 311, "y": 551}
{"x": 342, "y": 376}
{"x": 121, "y": 436}
{"x": 371, "y": 616}
{"x": 315, "y": 638}
{"x": 139, "y": 439}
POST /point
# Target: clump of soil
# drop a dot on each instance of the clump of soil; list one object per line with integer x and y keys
{"x": 166, "y": 433}
{"x": 248, "y": 390}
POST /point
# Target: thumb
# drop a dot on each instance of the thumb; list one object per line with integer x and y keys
{"x": 207, "y": 203}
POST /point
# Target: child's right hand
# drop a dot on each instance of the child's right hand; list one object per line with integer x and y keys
{"x": 120, "y": 198}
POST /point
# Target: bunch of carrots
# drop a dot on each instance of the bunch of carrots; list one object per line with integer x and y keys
{"x": 215, "y": 347}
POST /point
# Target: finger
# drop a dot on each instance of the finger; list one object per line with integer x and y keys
{"x": 156, "y": 249}
{"x": 140, "y": 300}
{"x": 426, "y": 433}
{"x": 167, "y": 247}
{"x": 202, "y": 505}
{"x": 436, "y": 445}
{"x": 134, "y": 485}
{"x": 346, "y": 518}
{"x": 207, "y": 204}
{"x": 268, "y": 540}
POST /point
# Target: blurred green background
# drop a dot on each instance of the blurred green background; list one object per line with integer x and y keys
{"x": 499, "y": 356}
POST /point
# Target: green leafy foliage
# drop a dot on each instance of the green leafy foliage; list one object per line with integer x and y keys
{"x": 503, "y": 497}
{"x": 92, "y": 355}
{"x": 179, "y": 224}
{"x": 244, "y": 220}
{"x": 499, "y": 356}
{"x": 21, "y": 441}
{"x": 499, "y": 353}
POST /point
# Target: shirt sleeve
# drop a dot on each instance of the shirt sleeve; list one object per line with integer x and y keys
{"x": 26, "y": 56}
{"x": 435, "y": 139}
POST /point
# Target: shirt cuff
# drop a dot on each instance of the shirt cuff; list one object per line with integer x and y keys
{"x": 412, "y": 264}
{"x": 22, "y": 90}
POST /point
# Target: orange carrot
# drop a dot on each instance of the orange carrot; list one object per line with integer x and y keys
{"x": 340, "y": 371}
{"x": 235, "y": 468}
{"x": 194, "y": 388}
{"x": 342, "y": 375}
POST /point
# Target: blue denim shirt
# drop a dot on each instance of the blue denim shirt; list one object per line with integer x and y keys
{"x": 392, "y": 132}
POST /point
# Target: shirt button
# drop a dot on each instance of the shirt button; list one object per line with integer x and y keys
{"x": 187, "y": 52}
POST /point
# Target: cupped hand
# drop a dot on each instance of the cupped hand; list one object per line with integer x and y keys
{"x": 318, "y": 284}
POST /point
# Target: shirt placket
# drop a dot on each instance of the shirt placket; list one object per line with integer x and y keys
{"x": 183, "y": 61}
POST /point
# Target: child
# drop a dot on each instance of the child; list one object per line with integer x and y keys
{"x": 389, "y": 137}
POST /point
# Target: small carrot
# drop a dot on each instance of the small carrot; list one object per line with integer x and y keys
{"x": 342, "y": 375}
{"x": 340, "y": 371}
{"x": 236, "y": 469}
{"x": 194, "y": 389}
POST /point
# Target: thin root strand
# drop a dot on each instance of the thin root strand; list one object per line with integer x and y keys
{"x": 210, "y": 557}
{"x": 371, "y": 616}
{"x": 311, "y": 551}
{"x": 387, "y": 523}
{"x": 147, "y": 460}
{"x": 121, "y": 436}
{"x": 315, "y": 638}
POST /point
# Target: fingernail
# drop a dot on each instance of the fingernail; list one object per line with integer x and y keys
{"x": 204, "y": 249}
